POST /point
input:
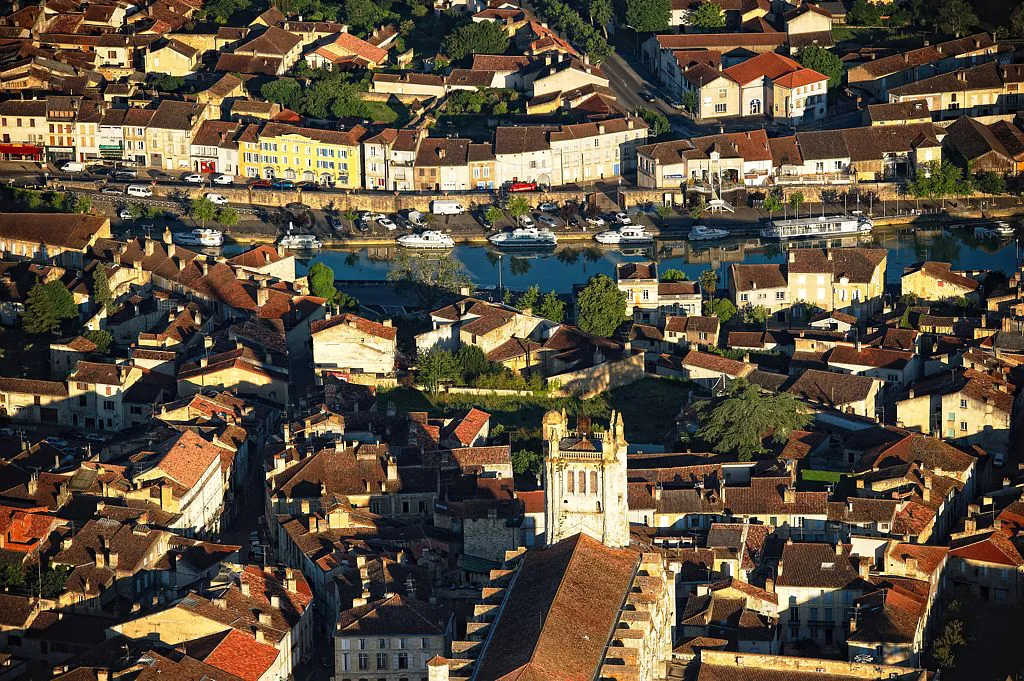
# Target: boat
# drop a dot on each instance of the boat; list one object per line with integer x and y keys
{"x": 301, "y": 242}
{"x": 525, "y": 237}
{"x": 426, "y": 239}
{"x": 626, "y": 234}
{"x": 993, "y": 229}
{"x": 822, "y": 225}
{"x": 199, "y": 237}
{"x": 705, "y": 233}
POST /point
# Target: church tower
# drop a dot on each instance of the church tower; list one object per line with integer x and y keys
{"x": 585, "y": 481}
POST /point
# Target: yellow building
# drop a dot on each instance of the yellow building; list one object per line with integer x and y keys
{"x": 937, "y": 281}
{"x": 303, "y": 154}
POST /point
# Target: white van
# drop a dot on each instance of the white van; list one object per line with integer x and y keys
{"x": 139, "y": 190}
{"x": 446, "y": 208}
{"x": 72, "y": 167}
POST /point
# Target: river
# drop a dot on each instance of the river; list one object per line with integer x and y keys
{"x": 572, "y": 264}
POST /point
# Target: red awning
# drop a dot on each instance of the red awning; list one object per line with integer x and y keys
{"x": 21, "y": 149}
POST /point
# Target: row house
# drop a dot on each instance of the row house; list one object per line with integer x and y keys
{"x": 714, "y": 164}
{"x": 347, "y": 344}
{"x": 453, "y": 164}
{"x": 214, "y": 147}
{"x": 978, "y": 148}
{"x": 660, "y": 52}
{"x": 388, "y": 160}
{"x": 986, "y": 90}
{"x": 271, "y": 53}
{"x": 649, "y": 299}
{"x": 278, "y": 150}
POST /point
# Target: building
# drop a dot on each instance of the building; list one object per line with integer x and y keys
{"x": 96, "y": 393}
{"x": 169, "y": 132}
{"x": 388, "y": 160}
{"x": 173, "y": 57}
{"x": 975, "y": 146}
{"x": 986, "y": 90}
{"x": 346, "y": 50}
{"x": 290, "y": 152}
{"x": 847, "y": 393}
{"x": 760, "y": 285}
{"x": 59, "y": 239}
{"x": 391, "y": 638}
{"x": 347, "y": 344}
{"x": 936, "y": 281}
{"x": 778, "y": 87}
{"x": 648, "y": 300}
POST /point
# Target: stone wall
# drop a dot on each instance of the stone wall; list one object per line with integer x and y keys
{"x": 807, "y": 665}
{"x": 586, "y": 383}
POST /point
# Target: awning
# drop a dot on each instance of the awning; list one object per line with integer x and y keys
{"x": 21, "y": 149}
{"x": 478, "y": 564}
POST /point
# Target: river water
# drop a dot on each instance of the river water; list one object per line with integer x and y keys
{"x": 571, "y": 264}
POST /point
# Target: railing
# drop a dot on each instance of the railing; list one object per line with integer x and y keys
{"x": 816, "y": 178}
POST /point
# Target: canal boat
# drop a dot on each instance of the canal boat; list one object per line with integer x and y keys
{"x": 427, "y": 239}
{"x": 819, "y": 226}
{"x": 525, "y": 237}
{"x": 705, "y": 233}
{"x": 210, "y": 238}
{"x": 626, "y": 234}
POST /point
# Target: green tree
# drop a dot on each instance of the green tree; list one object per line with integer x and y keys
{"x": 437, "y": 367}
{"x": 721, "y": 308}
{"x": 284, "y": 91}
{"x": 101, "y": 338}
{"x": 824, "y": 62}
{"x": 48, "y": 305}
{"x": 672, "y": 274}
{"x": 517, "y": 205}
{"x": 602, "y": 306}
{"x": 796, "y": 200}
{"x": 708, "y": 16}
{"x": 955, "y": 17}
{"x": 864, "y": 13}
{"x": 485, "y": 37}
{"x": 530, "y": 299}
{"x": 944, "y": 649}
{"x": 756, "y": 314}
{"x": 428, "y": 276}
{"x": 136, "y": 210}
{"x": 699, "y": 208}
{"x": 493, "y": 215}
{"x": 320, "y": 278}
{"x": 740, "y": 419}
{"x": 12, "y": 573}
{"x": 345, "y": 302}
{"x": 524, "y": 461}
{"x": 600, "y": 12}
{"x": 101, "y": 294}
{"x": 53, "y": 581}
{"x": 991, "y": 183}
{"x": 708, "y": 280}
{"x": 657, "y": 122}
{"x": 691, "y": 101}
{"x": 472, "y": 362}
{"x": 202, "y": 210}
{"x": 552, "y": 307}
{"x": 1017, "y": 22}
{"x": 227, "y": 216}
{"x": 365, "y": 15}
{"x": 772, "y": 203}
{"x": 648, "y": 16}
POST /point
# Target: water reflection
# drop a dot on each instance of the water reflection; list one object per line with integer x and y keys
{"x": 574, "y": 263}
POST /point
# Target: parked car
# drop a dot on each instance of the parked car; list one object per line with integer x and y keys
{"x": 57, "y": 442}
{"x": 548, "y": 207}
{"x": 123, "y": 174}
{"x": 216, "y": 199}
{"x": 647, "y": 97}
{"x": 308, "y": 186}
{"x": 623, "y": 219}
{"x": 595, "y": 221}
{"x": 95, "y": 438}
{"x": 525, "y": 221}
{"x": 334, "y": 222}
{"x": 124, "y": 214}
{"x": 283, "y": 184}
{"x": 110, "y": 189}
{"x": 522, "y": 186}
{"x": 6, "y": 432}
{"x": 547, "y": 220}
{"x": 387, "y": 224}
{"x": 261, "y": 184}
{"x": 223, "y": 179}
{"x": 194, "y": 178}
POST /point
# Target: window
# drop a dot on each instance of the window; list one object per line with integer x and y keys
{"x": 780, "y": 295}
{"x": 963, "y": 426}
{"x": 108, "y": 405}
{"x": 720, "y": 108}
{"x": 794, "y": 614}
{"x": 364, "y": 661}
{"x": 963, "y": 404}
{"x": 570, "y": 483}
{"x": 382, "y": 660}
{"x": 583, "y": 482}
{"x": 743, "y": 297}
{"x": 403, "y": 660}
{"x": 593, "y": 482}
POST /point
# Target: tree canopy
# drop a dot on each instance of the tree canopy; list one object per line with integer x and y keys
{"x": 939, "y": 180}
{"x": 48, "y": 305}
{"x": 552, "y": 308}
{"x": 647, "y": 16}
{"x": 740, "y": 419}
{"x": 955, "y": 17}
{"x": 672, "y": 274}
{"x": 485, "y": 37}
{"x": 708, "y": 16}
{"x": 602, "y": 306}
{"x": 202, "y": 210}
{"x": 437, "y": 367}
{"x": 722, "y": 308}
{"x": 102, "y": 339}
{"x": 428, "y": 277}
{"x": 824, "y": 62}
{"x": 657, "y": 122}
{"x": 101, "y": 294}
{"x": 320, "y": 278}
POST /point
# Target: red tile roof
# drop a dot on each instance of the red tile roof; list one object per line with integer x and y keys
{"x": 188, "y": 458}
{"x": 243, "y": 656}
{"x": 357, "y": 322}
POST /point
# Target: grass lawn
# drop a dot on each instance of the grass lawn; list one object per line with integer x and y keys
{"x": 380, "y": 112}
{"x": 809, "y": 475}
{"x": 648, "y": 406}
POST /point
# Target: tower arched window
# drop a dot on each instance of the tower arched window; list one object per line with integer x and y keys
{"x": 583, "y": 482}
{"x": 593, "y": 482}
{"x": 570, "y": 483}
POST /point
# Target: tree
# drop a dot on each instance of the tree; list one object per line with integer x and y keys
{"x": 284, "y": 91}
{"x": 472, "y": 362}
{"x": 648, "y": 16}
{"x": 345, "y": 302}
{"x": 708, "y": 16}
{"x": 552, "y": 308}
{"x": 436, "y": 367}
{"x": 517, "y": 205}
{"x": 756, "y": 314}
{"x": 722, "y": 308}
{"x": 12, "y": 574}
{"x": 673, "y": 274}
{"x": 657, "y": 122}
{"x": 602, "y": 306}
{"x": 824, "y": 62}
{"x": 699, "y": 208}
{"x": 52, "y": 582}
{"x": 320, "y": 278}
{"x": 524, "y": 461}
{"x": 136, "y": 210}
{"x": 600, "y": 12}
{"x": 48, "y": 305}
{"x": 485, "y": 37}
{"x": 772, "y": 203}
{"x": 691, "y": 101}
{"x": 227, "y": 216}
{"x": 796, "y": 200}
{"x": 864, "y": 13}
{"x": 740, "y": 419}
{"x": 202, "y": 210}
{"x": 946, "y": 643}
{"x": 1017, "y": 22}
{"x": 101, "y": 294}
{"x": 529, "y": 299}
{"x": 708, "y": 282}
{"x": 991, "y": 183}
{"x": 101, "y": 338}
{"x": 364, "y": 15}
{"x": 428, "y": 277}
{"x": 493, "y": 215}
{"x": 955, "y": 17}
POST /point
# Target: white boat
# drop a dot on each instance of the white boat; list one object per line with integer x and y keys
{"x": 301, "y": 242}
{"x": 626, "y": 234}
{"x": 993, "y": 229}
{"x": 822, "y": 225}
{"x": 705, "y": 233}
{"x": 524, "y": 237}
{"x": 427, "y": 239}
{"x": 200, "y": 237}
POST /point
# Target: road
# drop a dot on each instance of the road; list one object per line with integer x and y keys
{"x": 627, "y": 79}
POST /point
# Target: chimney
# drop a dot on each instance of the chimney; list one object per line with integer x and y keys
{"x": 112, "y": 559}
{"x": 166, "y": 497}
{"x": 839, "y": 548}
{"x": 260, "y": 636}
{"x": 171, "y": 250}
{"x": 150, "y": 247}
{"x": 168, "y": 239}
{"x": 100, "y": 559}
{"x": 245, "y": 589}
{"x": 863, "y": 567}
{"x": 275, "y": 603}
{"x": 220, "y": 603}
{"x": 789, "y": 495}
{"x": 769, "y": 585}
{"x": 262, "y": 293}
{"x": 265, "y": 619}
{"x": 102, "y": 674}
{"x": 204, "y": 266}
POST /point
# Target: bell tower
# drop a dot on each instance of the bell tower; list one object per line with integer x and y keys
{"x": 585, "y": 480}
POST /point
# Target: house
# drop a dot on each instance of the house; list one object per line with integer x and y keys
{"x": 389, "y": 158}
{"x": 271, "y": 53}
{"x": 60, "y": 239}
{"x": 761, "y": 285}
{"x": 96, "y": 393}
{"x": 897, "y": 368}
{"x": 659, "y": 51}
{"x": 173, "y": 57}
{"x": 713, "y": 165}
{"x": 899, "y": 113}
{"x": 348, "y": 345}
{"x": 972, "y": 144}
{"x": 735, "y": 611}
{"x": 240, "y": 370}
{"x": 169, "y": 133}
{"x": 346, "y": 50}
{"x": 850, "y": 280}
{"x": 808, "y": 25}
{"x": 33, "y": 401}
{"x": 848, "y": 393}
{"x": 936, "y": 281}
{"x": 964, "y": 406}
{"x": 682, "y": 332}
{"x": 985, "y": 90}
{"x": 711, "y": 372}
{"x": 777, "y": 86}
{"x": 648, "y": 300}
{"x": 399, "y": 634}
{"x": 280, "y": 150}
{"x": 214, "y": 147}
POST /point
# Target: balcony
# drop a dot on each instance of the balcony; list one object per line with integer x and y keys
{"x": 814, "y": 178}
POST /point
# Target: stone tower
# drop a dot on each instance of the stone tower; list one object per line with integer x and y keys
{"x": 585, "y": 481}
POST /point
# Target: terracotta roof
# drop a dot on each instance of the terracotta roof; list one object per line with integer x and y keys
{"x": 993, "y": 547}
{"x": 28, "y": 386}
{"x": 636, "y": 270}
{"x": 704, "y": 360}
{"x": 363, "y": 325}
{"x": 65, "y": 230}
{"x": 827, "y": 387}
{"x": 810, "y": 565}
{"x": 348, "y": 44}
{"x": 394, "y": 616}
{"x": 468, "y": 428}
{"x": 876, "y": 358}
{"x": 187, "y": 458}
{"x": 751, "y": 277}
{"x": 768, "y": 65}
{"x": 242, "y": 655}
{"x": 944, "y": 272}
